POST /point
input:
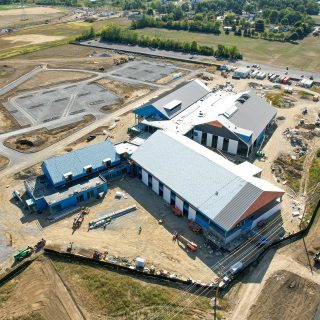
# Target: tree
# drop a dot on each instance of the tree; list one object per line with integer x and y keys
{"x": 259, "y": 25}
{"x": 294, "y": 37}
{"x": 274, "y": 16}
{"x": 194, "y": 46}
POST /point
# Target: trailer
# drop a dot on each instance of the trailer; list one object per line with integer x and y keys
{"x": 188, "y": 244}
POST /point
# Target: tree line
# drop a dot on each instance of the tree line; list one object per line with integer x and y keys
{"x": 117, "y": 34}
{"x": 186, "y": 25}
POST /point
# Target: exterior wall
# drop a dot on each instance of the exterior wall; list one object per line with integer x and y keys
{"x": 191, "y": 214}
{"x": 209, "y": 140}
{"x": 234, "y": 235}
{"x": 72, "y": 201}
{"x": 166, "y": 194}
{"x": 197, "y": 136}
{"x": 260, "y": 138}
{"x": 179, "y": 203}
{"x": 145, "y": 177}
{"x": 233, "y": 146}
{"x": 155, "y": 185}
{"x": 267, "y": 214}
{"x": 220, "y": 143}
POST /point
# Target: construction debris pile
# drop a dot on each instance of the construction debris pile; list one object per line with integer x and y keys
{"x": 296, "y": 140}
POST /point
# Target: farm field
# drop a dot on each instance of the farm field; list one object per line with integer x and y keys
{"x": 254, "y": 50}
{"x": 48, "y": 36}
{"x": 14, "y": 16}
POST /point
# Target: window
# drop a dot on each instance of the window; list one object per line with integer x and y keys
{"x": 80, "y": 198}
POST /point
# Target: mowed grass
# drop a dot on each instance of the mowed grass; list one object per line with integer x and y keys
{"x": 304, "y": 55}
{"x": 109, "y": 294}
{"x": 69, "y": 30}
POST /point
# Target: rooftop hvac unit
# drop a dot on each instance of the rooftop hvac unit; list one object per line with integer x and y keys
{"x": 124, "y": 155}
{"x": 88, "y": 168}
{"x": 107, "y": 162}
{"x": 68, "y": 176}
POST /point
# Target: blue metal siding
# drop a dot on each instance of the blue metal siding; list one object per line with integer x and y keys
{"x": 261, "y": 136}
{"x": 148, "y": 111}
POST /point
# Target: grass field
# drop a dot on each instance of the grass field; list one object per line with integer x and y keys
{"x": 69, "y": 30}
{"x": 304, "y": 55}
{"x": 105, "y": 293}
{"x": 11, "y": 6}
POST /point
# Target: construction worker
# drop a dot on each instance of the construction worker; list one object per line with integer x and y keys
{"x": 140, "y": 229}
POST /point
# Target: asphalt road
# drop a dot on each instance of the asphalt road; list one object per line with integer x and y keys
{"x": 294, "y": 73}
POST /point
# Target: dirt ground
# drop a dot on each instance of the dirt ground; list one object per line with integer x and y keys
{"x": 28, "y": 39}
{"x": 3, "y": 162}
{"x": 38, "y": 292}
{"x": 126, "y": 92}
{"x": 48, "y": 78}
{"x": 118, "y": 134}
{"x": 7, "y": 121}
{"x": 40, "y": 139}
{"x": 286, "y": 296}
{"x": 75, "y": 291}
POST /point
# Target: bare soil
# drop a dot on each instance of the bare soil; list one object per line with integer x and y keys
{"x": 126, "y": 92}
{"x": 118, "y": 134}
{"x": 286, "y": 296}
{"x": 7, "y": 121}
{"x": 3, "y": 162}
{"x": 48, "y": 78}
{"x": 40, "y": 139}
{"x": 38, "y": 290}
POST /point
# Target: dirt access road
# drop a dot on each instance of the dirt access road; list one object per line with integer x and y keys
{"x": 256, "y": 278}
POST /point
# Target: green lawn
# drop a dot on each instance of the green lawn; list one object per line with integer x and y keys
{"x": 304, "y": 55}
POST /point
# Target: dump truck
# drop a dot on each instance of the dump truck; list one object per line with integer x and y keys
{"x": 188, "y": 244}
{"x": 23, "y": 253}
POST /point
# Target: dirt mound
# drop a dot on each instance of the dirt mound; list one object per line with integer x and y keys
{"x": 38, "y": 290}
{"x": 286, "y": 296}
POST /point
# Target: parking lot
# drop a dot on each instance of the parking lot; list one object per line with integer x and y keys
{"x": 50, "y": 104}
{"x": 145, "y": 70}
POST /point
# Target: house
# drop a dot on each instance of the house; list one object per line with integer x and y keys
{"x": 226, "y": 199}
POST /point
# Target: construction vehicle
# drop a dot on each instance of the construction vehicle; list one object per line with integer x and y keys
{"x": 23, "y": 253}
{"x": 99, "y": 255}
{"x": 77, "y": 222}
{"x": 188, "y": 244}
{"x": 40, "y": 244}
{"x": 195, "y": 227}
{"x": 260, "y": 154}
{"x": 176, "y": 211}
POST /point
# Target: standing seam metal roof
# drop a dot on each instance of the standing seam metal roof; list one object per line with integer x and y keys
{"x": 188, "y": 94}
{"x": 76, "y": 160}
{"x": 213, "y": 187}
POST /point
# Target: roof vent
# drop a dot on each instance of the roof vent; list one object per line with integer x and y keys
{"x": 88, "y": 168}
{"x": 216, "y": 193}
{"x": 107, "y": 162}
{"x": 68, "y": 176}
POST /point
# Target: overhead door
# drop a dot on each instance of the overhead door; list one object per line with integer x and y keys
{"x": 179, "y": 203}
{"x": 233, "y": 146}
{"x": 166, "y": 194}
{"x": 220, "y": 143}
{"x": 155, "y": 185}
{"x": 209, "y": 140}
{"x": 145, "y": 177}
{"x": 197, "y": 136}
{"x": 192, "y": 214}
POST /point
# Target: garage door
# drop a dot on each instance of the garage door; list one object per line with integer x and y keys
{"x": 192, "y": 214}
{"x": 179, "y": 203}
{"x": 166, "y": 194}
{"x": 145, "y": 177}
{"x": 155, "y": 185}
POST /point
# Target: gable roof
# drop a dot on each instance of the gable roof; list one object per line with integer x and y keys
{"x": 209, "y": 182}
{"x": 253, "y": 113}
{"x": 187, "y": 94}
{"x": 76, "y": 160}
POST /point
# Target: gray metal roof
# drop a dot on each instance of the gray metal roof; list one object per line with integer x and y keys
{"x": 203, "y": 178}
{"x": 75, "y": 161}
{"x": 253, "y": 114}
{"x": 188, "y": 93}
